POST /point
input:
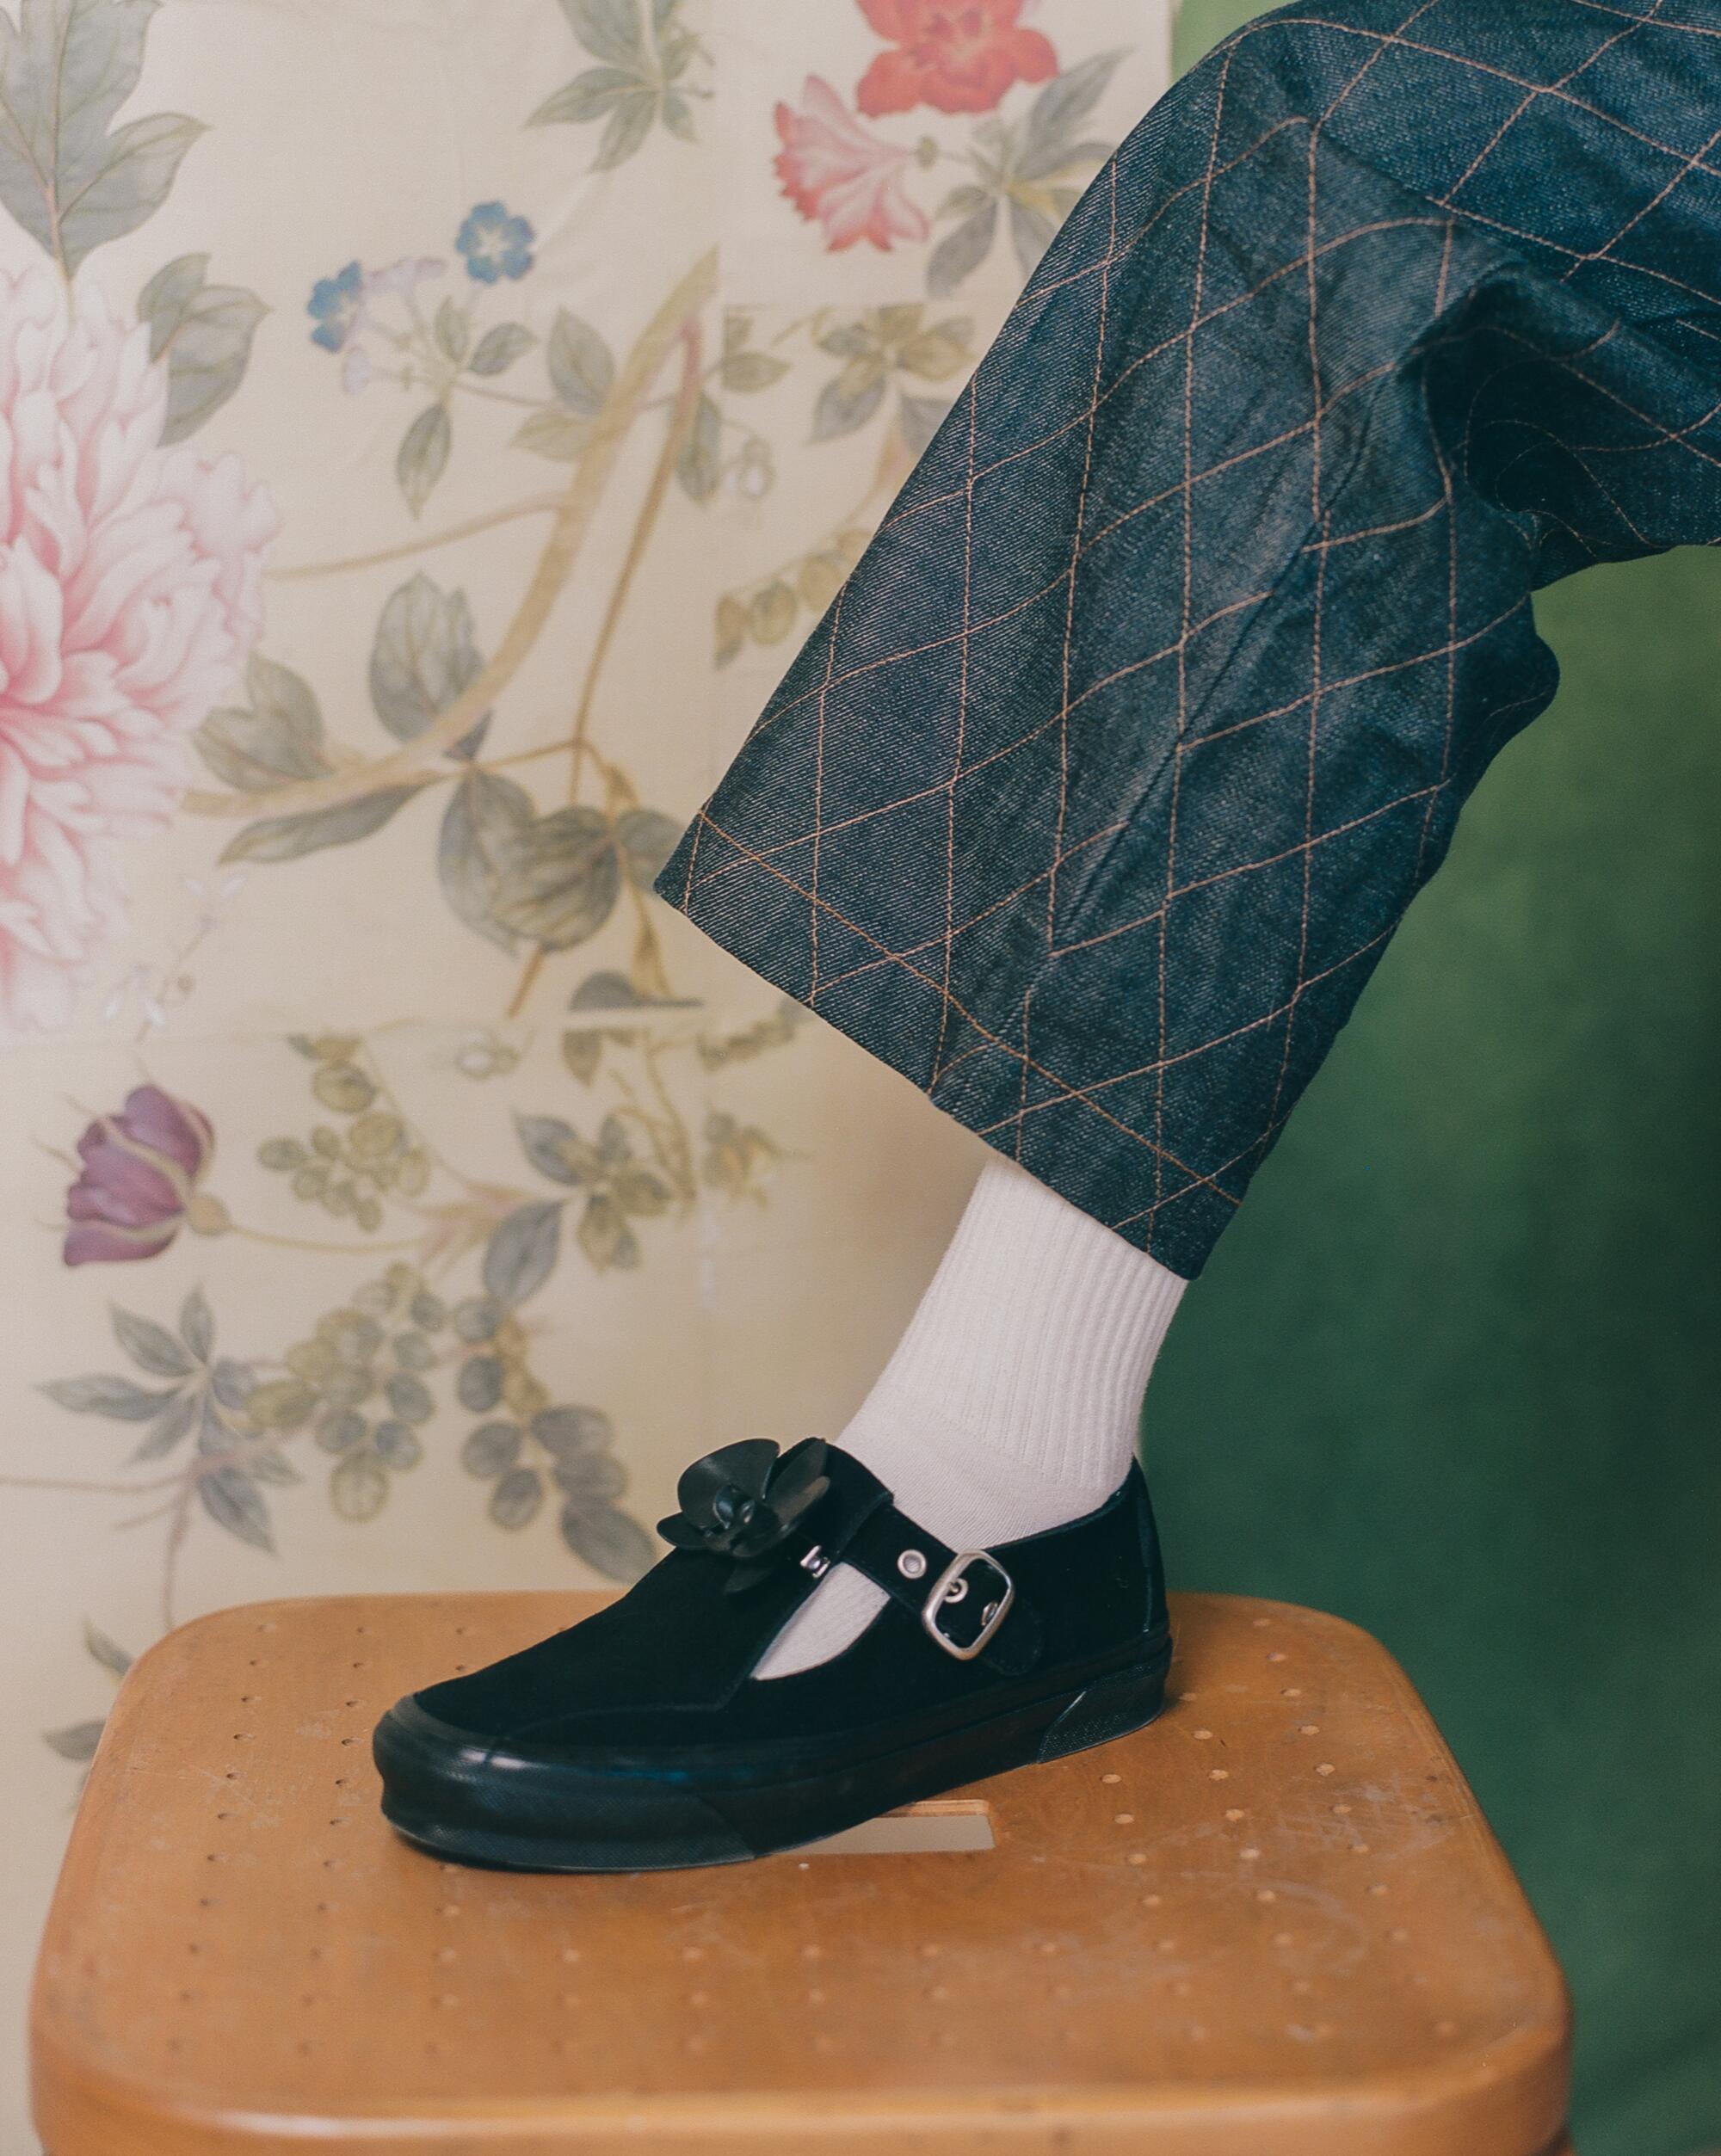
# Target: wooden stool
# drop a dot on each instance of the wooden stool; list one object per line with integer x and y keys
{"x": 1273, "y": 1925}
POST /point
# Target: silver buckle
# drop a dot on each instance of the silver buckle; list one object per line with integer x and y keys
{"x": 954, "y": 1575}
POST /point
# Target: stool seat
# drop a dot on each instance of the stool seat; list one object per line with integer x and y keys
{"x": 1274, "y": 1924}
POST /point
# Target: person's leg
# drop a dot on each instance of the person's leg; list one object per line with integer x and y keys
{"x": 1090, "y": 805}
{"x": 1095, "y": 797}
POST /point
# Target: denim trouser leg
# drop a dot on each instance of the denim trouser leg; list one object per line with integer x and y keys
{"x": 1094, "y": 798}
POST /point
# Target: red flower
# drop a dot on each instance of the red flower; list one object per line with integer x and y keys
{"x": 138, "y": 1186}
{"x": 838, "y": 175}
{"x": 959, "y": 56}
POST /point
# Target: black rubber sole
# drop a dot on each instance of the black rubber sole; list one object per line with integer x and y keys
{"x": 567, "y": 1819}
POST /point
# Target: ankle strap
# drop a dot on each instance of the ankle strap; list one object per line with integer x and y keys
{"x": 772, "y": 1513}
{"x": 966, "y": 1600}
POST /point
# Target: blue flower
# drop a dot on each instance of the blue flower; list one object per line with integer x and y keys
{"x": 337, "y": 303}
{"x": 494, "y": 244}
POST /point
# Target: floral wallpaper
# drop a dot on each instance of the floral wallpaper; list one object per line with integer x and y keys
{"x": 427, "y": 429}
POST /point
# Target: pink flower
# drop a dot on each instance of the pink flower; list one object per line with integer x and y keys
{"x": 838, "y": 175}
{"x": 958, "y": 56}
{"x": 130, "y": 599}
{"x": 137, "y": 1185}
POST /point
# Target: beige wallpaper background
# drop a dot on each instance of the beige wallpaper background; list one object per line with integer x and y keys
{"x": 427, "y": 429}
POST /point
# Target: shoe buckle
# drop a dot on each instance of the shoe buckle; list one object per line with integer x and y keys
{"x": 952, "y": 1585}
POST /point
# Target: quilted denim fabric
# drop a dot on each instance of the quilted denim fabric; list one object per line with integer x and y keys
{"x": 1094, "y": 798}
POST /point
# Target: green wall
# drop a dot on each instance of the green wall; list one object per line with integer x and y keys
{"x": 1455, "y": 1371}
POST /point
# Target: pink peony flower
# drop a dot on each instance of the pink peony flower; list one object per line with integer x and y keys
{"x": 958, "y": 56}
{"x": 130, "y": 599}
{"x": 838, "y": 175}
{"x": 137, "y": 1185}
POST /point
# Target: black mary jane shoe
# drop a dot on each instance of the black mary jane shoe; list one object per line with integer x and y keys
{"x": 638, "y": 1739}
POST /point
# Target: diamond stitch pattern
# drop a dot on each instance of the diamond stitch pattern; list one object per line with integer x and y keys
{"x": 1097, "y": 795}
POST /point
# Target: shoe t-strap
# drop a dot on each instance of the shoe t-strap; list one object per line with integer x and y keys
{"x": 965, "y": 1600}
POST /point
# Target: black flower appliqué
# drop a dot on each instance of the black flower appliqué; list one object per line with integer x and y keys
{"x": 746, "y": 1501}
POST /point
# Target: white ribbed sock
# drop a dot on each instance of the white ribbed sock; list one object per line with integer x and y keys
{"x": 1011, "y": 1404}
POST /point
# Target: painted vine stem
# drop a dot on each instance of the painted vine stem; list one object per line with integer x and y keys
{"x": 573, "y": 521}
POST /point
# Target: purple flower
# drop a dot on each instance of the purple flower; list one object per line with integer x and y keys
{"x": 137, "y": 1185}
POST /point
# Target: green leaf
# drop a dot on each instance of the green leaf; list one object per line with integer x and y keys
{"x": 514, "y": 1501}
{"x": 486, "y": 818}
{"x": 556, "y": 434}
{"x": 423, "y": 455}
{"x": 557, "y": 1150}
{"x": 1059, "y": 110}
{"x": 521, "y": 1254}
{"x": 149, "y": 1346}
{"x": 607, "y": 990}
{"x": 1032, "y": 231}
{"x": 939, "y": 351}
{"x": 642, "y": 1193}
{"x": 771, "y": 615}
{"x": 746, "y": 372}
{"x": 423, "y": 658}
{"x": 607, "y": 1540}
{"x": 274, "y": 742}
{"x": 232, "y": 1383}
{"x": 65, "y": 70}
{"x": 729, "y": 629}
{"x": 76, "y": 1742}
{"x": 118, "y": 1398}
{"x": 564, "y": 881}
{"x": 625, "y": 130}
{"x": 920, "y": 418}
{"x": 491, "y": 1448}
{"x": 358, "y": 1487}
{"x": 647, "y": 838}
{"x": 163, "y": 302}
{"x": 114, "y": 1659}
{"x": 961, "y": 252}
{"x": 205, "y": 333}
{"x": 587, "y": 98}
{"x": 232, "y": 1500}
{"x": 609, "y": 30}
{"x": 173, "y": 1423}
{"x": 700, "y": 466}
{"x": 590, "y": 1478}
{"x": 274, "y": 1466}
{"x": 581, "y": 366}
{"x": 286, "y": 838}
{"x": 963, "y": 201}
{"x": 819, "y": 578}
{"x": 850, "y": 400}
{"x": 582, "y": 1051}
{"x": 572, "y": 1432}
{"x": 479, "y": 1384}
{"x": 197, "y": 1324}
{"x": 499, "y": 348}
{"x": 605, "y": 1236}
{"x": 678, "y": 116}
{"x": 281, "y": 1403}
{"x": 848, "y": 341}
{"x": 453, "y": 331}
{"x": 409, "y": 1397}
